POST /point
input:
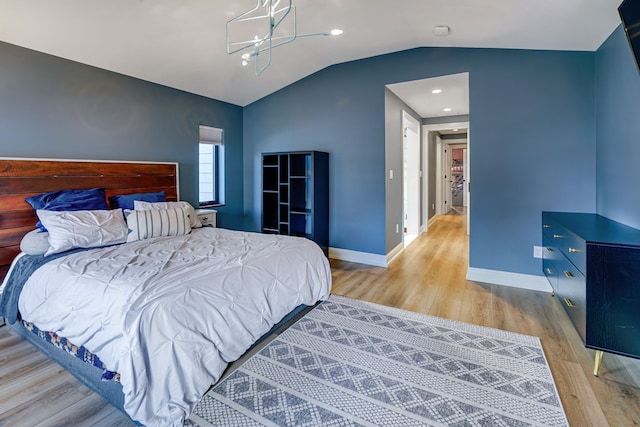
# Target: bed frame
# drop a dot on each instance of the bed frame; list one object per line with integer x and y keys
{"x": 20, "y": 178}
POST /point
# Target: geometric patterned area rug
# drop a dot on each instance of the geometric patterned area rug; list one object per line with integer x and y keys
{"x": 350, "y": 362}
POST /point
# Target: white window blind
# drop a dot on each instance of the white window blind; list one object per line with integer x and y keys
{"x": 210, "y": 165}
{"x": 209, "y": 135}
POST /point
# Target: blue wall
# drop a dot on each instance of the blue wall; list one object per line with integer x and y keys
{"x": 337, "y": 111}
{"x": 532, "y": 135}
{"x": 55, "y": 108}
{"x": 532, "y": 120}
{"x": 618, "y": 131}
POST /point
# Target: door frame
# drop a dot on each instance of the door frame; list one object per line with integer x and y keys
{"x": 458, "y": 144}
{"x": 465, "y": 173}
{"x": 410, "y": 122}
{"x": 424, "y": 190}
{"x": 439, "y": 159}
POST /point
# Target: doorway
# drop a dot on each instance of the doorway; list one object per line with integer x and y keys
{"x": 458, "y": 177}
{"x": 411, "y": 178}
{"x": 450, "y": 174}
{"x": 431, "y": 101}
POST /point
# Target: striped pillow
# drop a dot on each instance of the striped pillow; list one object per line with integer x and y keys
{"x": 164, "y": 222}
{"x": 141, "y": 205}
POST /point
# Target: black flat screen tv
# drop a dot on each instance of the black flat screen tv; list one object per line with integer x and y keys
{"x": 630, "y": 14}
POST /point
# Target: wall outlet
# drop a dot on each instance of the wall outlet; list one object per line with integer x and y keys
{"x": 537, "y": 251}
{"x": 390, "y": 173}
{"x": 433, "y": 206}
{"x": 397, "y": 228}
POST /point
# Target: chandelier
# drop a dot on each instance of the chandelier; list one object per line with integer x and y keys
{"x": 275, "y": 25}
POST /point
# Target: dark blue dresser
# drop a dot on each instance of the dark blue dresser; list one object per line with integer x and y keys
{"x": 593, "y": 265}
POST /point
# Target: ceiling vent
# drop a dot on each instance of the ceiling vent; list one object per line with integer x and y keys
{"x": 441, "y": 30}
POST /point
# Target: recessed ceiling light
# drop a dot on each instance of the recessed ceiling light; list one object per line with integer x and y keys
{"x": 447, "y": 109}
{"x": 436, "y": 91}
{"x": 455, "y": 130}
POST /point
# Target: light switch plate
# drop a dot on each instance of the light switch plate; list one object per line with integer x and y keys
{"x": 537, "y": 251}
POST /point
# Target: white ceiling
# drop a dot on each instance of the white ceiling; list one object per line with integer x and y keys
{"x": 418, "y": 95}
{"x": 181, "y": 43}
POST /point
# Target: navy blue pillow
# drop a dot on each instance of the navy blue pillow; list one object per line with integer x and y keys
{"x": 69, "y": 200}
{"x": 125, "y": 201}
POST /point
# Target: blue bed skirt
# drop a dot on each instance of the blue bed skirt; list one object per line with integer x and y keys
{"x": 91, "y": 376}
{"x": 87, "y": 374}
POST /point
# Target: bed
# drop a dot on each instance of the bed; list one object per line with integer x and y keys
{"x": 163, "y": 314}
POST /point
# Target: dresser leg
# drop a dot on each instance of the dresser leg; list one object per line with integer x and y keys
{"x": 598, "y": 362}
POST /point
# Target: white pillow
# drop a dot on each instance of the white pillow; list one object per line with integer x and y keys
{"x": 140, "y": 205}
{"x": 35, "y": 242}
{"x": 156, "y": 223}
{"x": 83, "y": 229}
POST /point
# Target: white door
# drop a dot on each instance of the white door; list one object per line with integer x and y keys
{"x": 411, "y": 178}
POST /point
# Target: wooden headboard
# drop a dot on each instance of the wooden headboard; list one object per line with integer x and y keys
{"x": 20, "y": 178}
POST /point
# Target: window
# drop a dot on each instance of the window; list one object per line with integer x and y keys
{"x": 211, "y": 167}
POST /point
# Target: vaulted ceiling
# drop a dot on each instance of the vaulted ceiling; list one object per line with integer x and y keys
{"x": 182, "y": 44}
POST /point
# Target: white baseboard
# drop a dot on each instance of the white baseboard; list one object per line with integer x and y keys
{"x": 505, "y": 278}
{"x": 359, "y": 257}
{"x": 497, "y": 277}
{"x": 394, "y": 253}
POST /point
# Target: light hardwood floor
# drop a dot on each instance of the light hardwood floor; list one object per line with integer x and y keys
{"x": 428, "y": 277}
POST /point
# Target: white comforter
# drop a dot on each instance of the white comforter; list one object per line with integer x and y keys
{"x": 169, "y": 314}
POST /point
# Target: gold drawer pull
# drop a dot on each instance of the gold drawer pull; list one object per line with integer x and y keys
{"x": 568, "y": 273}
{"x": 549, "y": 249}
{"x": 569, "y": 302}
{"x": 574, "y": 250}
{"x": 558, "y": 236}
{"x": 546, "y": 226}
{"x": 549, "y": 271}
